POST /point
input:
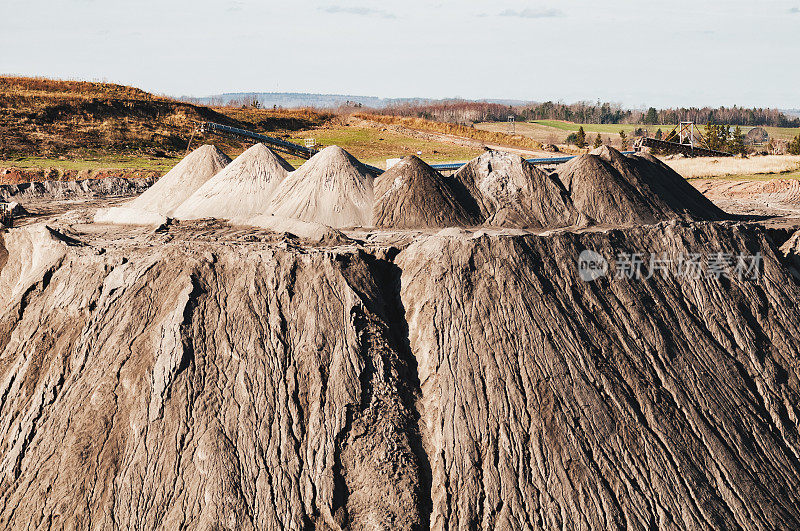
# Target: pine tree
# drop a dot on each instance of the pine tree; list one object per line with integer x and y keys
{"x": 659, "y": 134}
{"x": 794, "y": 146}
{"x": 736, "y": 142}
{"x": 651, "y": 117}
{"x": 580, "y": 139}
{"x": 624, "y": 138}
{"x": 710, "y": 136}
{"x": 717, "y": 136}
{"x": 598, "y": 141}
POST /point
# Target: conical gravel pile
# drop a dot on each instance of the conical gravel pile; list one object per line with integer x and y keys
{"x": 505, "y": 190}
{"x": 241, "y": 189}
{"x": 413, "y": 195}
{"x": 614, "y": 189}
{"x": 332, "y": 188}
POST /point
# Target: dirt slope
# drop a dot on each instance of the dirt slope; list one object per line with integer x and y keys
{"x": 47, "y": 117}
{"x": 208, "y": 397}
{"x": 59, "y": 190}
{"x": 183, "y": 380}
{"x": 791, "y": 250}
{"x": 411, "y": 194}
{"x": 502, "y": 189}
{"x": 551, "y": 403}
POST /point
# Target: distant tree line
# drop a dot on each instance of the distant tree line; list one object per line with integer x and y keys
{"x": 726, "y": 115}
{"x": 581, "y": 112}
{"x": 466, "y": 112}
{"x": 452, "y": 111}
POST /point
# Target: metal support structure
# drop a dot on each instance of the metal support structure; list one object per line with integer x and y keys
{"x": 188, "y": 147}
{"x": 686, "y": 133}
{"x": 276, "y": 143}
{"x": 685, "y": 149}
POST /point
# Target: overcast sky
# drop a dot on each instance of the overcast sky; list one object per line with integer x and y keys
{"x": 635, "y": 52}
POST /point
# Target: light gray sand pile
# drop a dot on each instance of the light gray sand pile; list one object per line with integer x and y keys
{"x": 411, "y": 194}
{"x": 160, "y": 200}
{"x": 332, "y": 188}
{"x": 242, "y": 189}
{"x": 182, "y": 181}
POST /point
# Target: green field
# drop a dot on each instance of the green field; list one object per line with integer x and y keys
{"x": 556, "y": 131}
{"x": 602, "y": 128}
{"x": 781, "y": 133}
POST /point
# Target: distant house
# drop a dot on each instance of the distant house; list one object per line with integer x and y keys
{"x": 756, "y": 136}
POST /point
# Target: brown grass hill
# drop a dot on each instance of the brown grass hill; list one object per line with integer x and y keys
{"x": 503, "y": 189}
{"x": 610, "y": 188}
{"x": 411, "y": 194}
{"x": 46, "y": 117}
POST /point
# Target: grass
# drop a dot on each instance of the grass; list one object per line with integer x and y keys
{"x": 767, "y": 167}
{"x": 370, "y": 145}
{"x": 556, "y": 131}
{"x": 429, "y": 126}
{"x": 602, "y": 128}
{"x": 116, "y": 162}
{"x": 780, "y": 133}
{"x": 40, "y": 86}
{"x": 373, "y": 146}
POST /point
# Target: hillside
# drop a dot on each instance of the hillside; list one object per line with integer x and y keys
{"x": 76, "y": 119}
{"x": 73, "y": 127}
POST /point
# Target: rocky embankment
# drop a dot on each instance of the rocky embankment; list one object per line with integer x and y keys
{"x": 455, "y": 382}
{"x": 82, "y": 188}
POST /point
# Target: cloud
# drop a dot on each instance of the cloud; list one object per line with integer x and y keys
{"x": 362, "y": 11}
{"x": 795, "y": 10}
{"x": 532, "y": 13}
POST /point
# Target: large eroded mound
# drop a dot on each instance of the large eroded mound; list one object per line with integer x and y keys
{"x": 242, "y": 189}
{"x": 455, "y": 383}
{"x": 503, "y": 189}
{"x": 610, "y": 188}
{"x": 411, "y": 194}
{"x": 182, "y": 181}
{"x": 331, "y": 188}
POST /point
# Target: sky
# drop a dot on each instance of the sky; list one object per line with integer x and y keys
{"x": 634, "y": 52}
